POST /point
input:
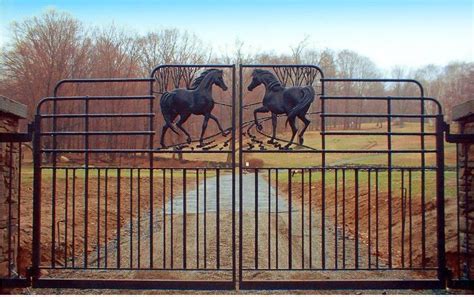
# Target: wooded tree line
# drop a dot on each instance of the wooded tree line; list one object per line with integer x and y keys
{"x": 54, "y": 46}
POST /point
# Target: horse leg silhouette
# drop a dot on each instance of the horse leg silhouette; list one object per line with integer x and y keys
{"x": 183, "y": 118}
{"x": 204, "y": 127}
{"x": 294, "y": 129}
{"x": 165, "y": 128}
{"x": 211, "y": 116}
{"x": 274, "y": 126}
{"x": 306, "y": 122}
{"x": 262, "y": 109}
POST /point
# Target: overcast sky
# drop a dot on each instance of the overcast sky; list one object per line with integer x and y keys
{"x": 401, "y": 32}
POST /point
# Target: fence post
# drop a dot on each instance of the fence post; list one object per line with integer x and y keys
{"x": 10, "y": 114}
{"x": 463, "y": 114}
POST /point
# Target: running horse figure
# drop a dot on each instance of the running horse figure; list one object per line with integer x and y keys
{"x": 292, "y": 101}
{"x": 196, "y": 100}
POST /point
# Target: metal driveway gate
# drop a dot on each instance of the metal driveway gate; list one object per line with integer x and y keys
{"x": 312, "y": 220}
{"x": 117, "y": 207}
{"x": 119, "y": 201}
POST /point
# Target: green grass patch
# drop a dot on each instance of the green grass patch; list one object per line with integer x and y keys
{"x": 383, "y": 177}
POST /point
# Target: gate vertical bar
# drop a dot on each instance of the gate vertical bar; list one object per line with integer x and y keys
{"x": 151, "y": 165}
{"x": 256, "y": 219}
{"x": 290, "y": 225}
{"x": 130, "y": 218}
{"x": 310, "y": 227}
{"x": 36, "y": 252}
{"x": 356, "y": 223}
{"x": 118, "y": 202}
{"x": 53, "y": 190}
{"x": 269, "y": 243}
{"x": 440, "y": 198}
{"x": 323, "y": 177}
{"x": 233, "y": 178}
{"x": 106, "y": 189}
{"x": 197, "y": 218}
{"x": 389, "y": 173}
{"x": 240, "y": 176}
{"x": 423, "y": 178}
{"x": 185, "y": 226}
{"x": 218, "y": 219}
{"x": 205, "y": 218}
{"x": 302, "y": 218}
{"x": 369, "y": 221}
{"x": 336, "y": 241}
{"x": 276, "y": 218}
{"x": 86, "y": 179}
{"x": 164, "y": 218}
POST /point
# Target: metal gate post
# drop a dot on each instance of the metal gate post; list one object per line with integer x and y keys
{"x": 440, "y": 198}
{"x": 36, "y": 256}
{"x": 241, "y": 217}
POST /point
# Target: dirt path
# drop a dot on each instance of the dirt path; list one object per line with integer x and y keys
{"x": 269, "y": 248}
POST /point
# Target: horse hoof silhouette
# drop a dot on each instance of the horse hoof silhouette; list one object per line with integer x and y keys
{"x": 286, "y": 147}
{"x": 271, "y": 141}
{"x": 301, "y": 140}
{"x": 188, "y": 140}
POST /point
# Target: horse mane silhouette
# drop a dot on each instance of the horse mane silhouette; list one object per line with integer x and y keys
{"x": 197, "y": 81}
{"x": 292, "y": 101}
{"x": 196, "y": 100}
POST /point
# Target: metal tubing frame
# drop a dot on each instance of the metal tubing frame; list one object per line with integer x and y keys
{"x": 237, "y": 276}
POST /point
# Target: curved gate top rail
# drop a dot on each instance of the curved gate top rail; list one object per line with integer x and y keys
{"x": 249, "y": 200}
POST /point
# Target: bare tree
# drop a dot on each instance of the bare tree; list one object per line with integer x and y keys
{"x": 171, "y": 46}
{"x": 42, "y": 51}
{"x": 53, "y": 46}
{"x": 349, "y": 64}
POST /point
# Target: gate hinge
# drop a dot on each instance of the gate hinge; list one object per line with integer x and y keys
{"x": 457, "y": 138}
{"x": 18, "y": 137}
{"x": 31, "y": 273}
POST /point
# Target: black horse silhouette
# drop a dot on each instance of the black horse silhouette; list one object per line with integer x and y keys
{"x": 196, "y": 100}
{"x": 292, "y": 101}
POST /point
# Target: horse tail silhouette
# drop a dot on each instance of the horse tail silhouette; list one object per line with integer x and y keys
{"x": 165, "y": 104}
{"x": 308, "y": 98}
